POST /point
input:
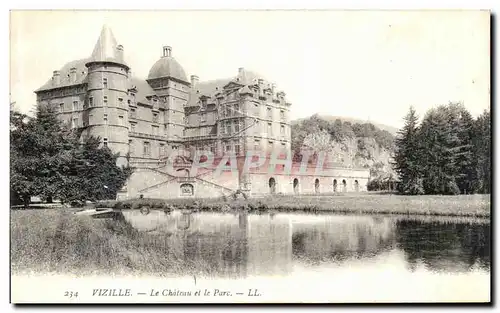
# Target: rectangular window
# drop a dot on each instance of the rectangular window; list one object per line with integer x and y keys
{"x": 130, "y": 146}
{"x": 104, "y": 83}
{"x": 74, "y": 122}
{"x": 132, "y": 113}
{"x": 105, "y": 142}
{"x": 212, "y": 148}
{"x": 120, "y": 119}
{"x": 282, "y": 130}
{"x": 105, "y": 100}
{"x": 228, "y": 127}
{"x": 282, "y": 114}
{"x": 147, "y": 148}
{"x": 120, "y": 102}
{"x": 237, "y": 147}
{"x": 132, "y": 127}
{"x": 256, "y": 145}
{"x": 61, "y": 107}
{"x": 228, "y": 111}
{"x": 105, "y": 118}
{"x": 91, "y": 102}
{"x": 162, "y": 149}
{"x": 237, "y": 126}
{"x": 75, "y": 106}
{"x": 227, "y": 147}
{"x": 222, "y": 127}
{"x": 269, "y": 129}
{"x": 203, "y": 117}
{"x": 155, "y": 117}
{"x": 269, "y": 113}
{"x": 236, "y": 109}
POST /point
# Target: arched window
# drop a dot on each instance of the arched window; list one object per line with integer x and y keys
{"x": 334, "y": 185}
{"x": 272, "y": 185}
{"x": 187, "y": 190}
{"x": 356, "y": 186}
{"x": 296, "y": 185}
{"x": 316, "y": 185}
{"x": 344, "y": 185}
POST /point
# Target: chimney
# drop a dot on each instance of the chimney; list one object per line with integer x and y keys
{"x": 241, "y": 71}
{"x": 167, "y": 51}
{"x": 119, "y": 49}
{"x": 194, "y": 81}
{"x": 56, "y": 78}
{"x": 273, "y": 88}
{"x": 72, "y": 74}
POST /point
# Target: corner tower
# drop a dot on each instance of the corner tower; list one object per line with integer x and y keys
{"x": 107, "y": 95}
{"x": 169, "y": 81}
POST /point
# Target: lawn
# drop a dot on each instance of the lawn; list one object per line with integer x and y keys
{"x": 367, "y": 203}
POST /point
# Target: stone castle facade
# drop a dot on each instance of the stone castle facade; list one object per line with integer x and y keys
{"x": 167, "y": 114}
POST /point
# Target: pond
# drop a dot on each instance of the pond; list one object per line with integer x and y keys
{"x": 390, "y": 257}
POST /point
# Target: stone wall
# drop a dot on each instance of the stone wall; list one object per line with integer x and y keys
{"x": 163, "y": 182}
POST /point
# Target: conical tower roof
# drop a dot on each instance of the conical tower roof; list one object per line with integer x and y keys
{"x": 106, "y": 49}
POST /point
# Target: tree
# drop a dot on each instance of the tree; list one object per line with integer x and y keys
{"x": 482, "y": 151}
{"x": 442, "y": 150}
{"x": 48, "y": 160}
{"x": 407, "y": 155}
{"x": 466, "y": 160}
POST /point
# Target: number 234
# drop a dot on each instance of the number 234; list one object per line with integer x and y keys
{"x": 71, "y": 294}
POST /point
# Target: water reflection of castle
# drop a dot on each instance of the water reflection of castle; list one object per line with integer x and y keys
{"x": 238, "y": 245}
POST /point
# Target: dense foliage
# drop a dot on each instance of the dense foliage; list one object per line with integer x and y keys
{"x": 448, "y": 153}
{"x": 48, "y": 160}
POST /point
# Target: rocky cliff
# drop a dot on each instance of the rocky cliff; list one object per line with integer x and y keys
{"x": 346, "y": 143}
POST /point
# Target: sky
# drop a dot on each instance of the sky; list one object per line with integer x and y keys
{"x": 369, "y": 65}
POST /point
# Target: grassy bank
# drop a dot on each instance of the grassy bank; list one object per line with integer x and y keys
{"x": 58, "y": 241}
{"x": 466, "y": 205}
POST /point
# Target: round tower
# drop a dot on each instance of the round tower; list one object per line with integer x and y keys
{"x": 107, "y": 95}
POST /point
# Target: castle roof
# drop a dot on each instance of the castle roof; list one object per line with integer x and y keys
{"x": 81, "y": 75}
{"x": 167, "y": 67}
{"x": 106, "y": 49}
{"x": 211, "y": 87}
{"x": 143, "y": 89}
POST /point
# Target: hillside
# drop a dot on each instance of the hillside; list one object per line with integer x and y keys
{"x": 331, "y": 118}
{"x": 346, "y": 143}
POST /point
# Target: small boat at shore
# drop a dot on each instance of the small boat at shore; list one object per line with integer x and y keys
{"x": 97, "y": 213}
